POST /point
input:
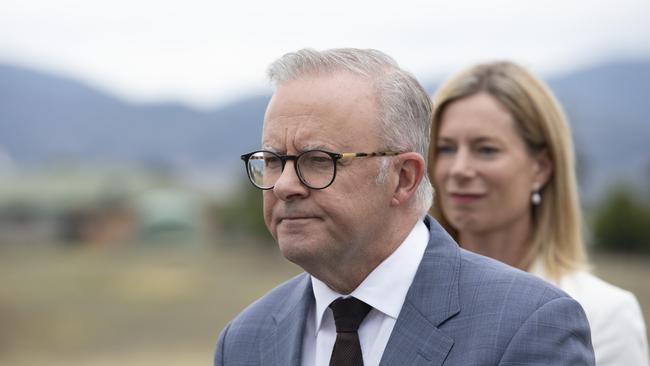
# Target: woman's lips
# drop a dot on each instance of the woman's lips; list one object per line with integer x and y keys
{"x": 465, "y": 198}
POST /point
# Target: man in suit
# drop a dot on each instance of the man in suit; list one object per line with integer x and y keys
{"x": 345, "y": 196}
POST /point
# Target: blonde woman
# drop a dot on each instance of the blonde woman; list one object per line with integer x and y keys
{"x": 502, "y": 165}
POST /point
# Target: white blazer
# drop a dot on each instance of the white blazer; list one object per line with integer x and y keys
{"x": 618, "y": 331}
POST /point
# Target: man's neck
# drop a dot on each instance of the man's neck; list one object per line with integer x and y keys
{"x": 345, "y": 277}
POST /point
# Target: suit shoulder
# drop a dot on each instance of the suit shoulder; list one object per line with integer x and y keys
{"x": 260, "y": 310}
{"x": 505, "y": 282}
{"x": 517, "y": 312}
{"x": 257, "y": 321}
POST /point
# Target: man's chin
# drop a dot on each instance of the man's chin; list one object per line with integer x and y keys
{"x": 299, "y": 252}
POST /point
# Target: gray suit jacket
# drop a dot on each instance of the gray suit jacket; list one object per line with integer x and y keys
{"x": 462, "y": 309}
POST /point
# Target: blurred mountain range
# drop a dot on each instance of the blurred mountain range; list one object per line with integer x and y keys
{"x": 46, "y": 119}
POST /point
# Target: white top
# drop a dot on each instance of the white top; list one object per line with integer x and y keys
{"x": 384, "y": 289}
{"x": 618, "y": 331}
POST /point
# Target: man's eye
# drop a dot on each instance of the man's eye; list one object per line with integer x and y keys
{"x": 271, "y": 161}
{"x": 317, "y": 162}
{"x": 319, "y": 159}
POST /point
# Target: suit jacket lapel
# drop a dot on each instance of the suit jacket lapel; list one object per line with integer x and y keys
{"x": 283, "y": 345}
{"x": 431, "y": 300}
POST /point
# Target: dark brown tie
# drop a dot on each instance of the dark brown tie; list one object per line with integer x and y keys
{"x": 348, "y": 315}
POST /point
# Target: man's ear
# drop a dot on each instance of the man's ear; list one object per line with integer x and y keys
{"x": 411, "y": 168}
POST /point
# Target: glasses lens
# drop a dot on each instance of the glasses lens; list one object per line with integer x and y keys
{"x": 264, "y": 169}
{"x": 316, "y": 168}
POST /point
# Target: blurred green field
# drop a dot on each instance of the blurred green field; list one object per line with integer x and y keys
{"x": 162, "y": 306}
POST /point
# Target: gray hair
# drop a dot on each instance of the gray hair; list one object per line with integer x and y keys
{"x": 404, "y": 107}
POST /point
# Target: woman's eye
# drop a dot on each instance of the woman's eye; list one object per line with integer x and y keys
{"x": 487, "y": 150}
{"x": 445, "y": 149}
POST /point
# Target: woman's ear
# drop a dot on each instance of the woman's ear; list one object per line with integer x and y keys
{"x": 411, "y": 168}
{"x": 543, "y": 169}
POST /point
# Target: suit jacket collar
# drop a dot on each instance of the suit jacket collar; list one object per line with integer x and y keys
{"x": 416, "y": 340}
{"x": 283, "y": 346}
{"x": 432, "y": 299}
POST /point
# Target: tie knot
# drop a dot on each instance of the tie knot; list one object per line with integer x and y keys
{"x": 349, "y": 313}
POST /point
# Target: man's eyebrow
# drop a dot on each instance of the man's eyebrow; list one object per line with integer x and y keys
{"x": 302, "y": 148}
{"x": 314, "y": 146}
{"x": 269, "y": 148}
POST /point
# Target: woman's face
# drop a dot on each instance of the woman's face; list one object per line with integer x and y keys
{"x": 484, "y": 174}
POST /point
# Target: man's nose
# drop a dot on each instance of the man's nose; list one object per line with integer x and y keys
{"x": 288, "y": 185}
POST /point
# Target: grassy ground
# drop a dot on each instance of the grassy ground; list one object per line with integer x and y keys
{"x": 163, "y": 306}
{"x": 126, "y": 307}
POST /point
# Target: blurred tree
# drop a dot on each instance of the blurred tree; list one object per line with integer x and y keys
{"x": 242, "y": 216}
{"x": 622, "y": 221}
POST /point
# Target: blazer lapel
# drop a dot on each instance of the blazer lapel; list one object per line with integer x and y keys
{"x": 283, "y": 345}
{"x": 431, "y": 300}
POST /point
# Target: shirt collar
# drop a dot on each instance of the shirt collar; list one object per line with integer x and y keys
{"x": 386, "y": 286}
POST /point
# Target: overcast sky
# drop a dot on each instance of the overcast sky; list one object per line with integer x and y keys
{"x": 210, "y": 52}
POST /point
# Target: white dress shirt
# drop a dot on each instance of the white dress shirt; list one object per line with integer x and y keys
{"x": 384, "y": 289}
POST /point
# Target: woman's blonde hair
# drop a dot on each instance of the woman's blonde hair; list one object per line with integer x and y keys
{"x": 557, "y": 226}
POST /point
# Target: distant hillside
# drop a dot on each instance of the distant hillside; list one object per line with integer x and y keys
{"x": 45, "y": 118}
{"x": 609, "y": 110}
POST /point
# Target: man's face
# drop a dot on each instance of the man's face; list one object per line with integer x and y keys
{"x": 338, "y": 225}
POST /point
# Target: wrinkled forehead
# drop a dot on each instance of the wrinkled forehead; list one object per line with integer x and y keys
{"x": 332, "y": 111}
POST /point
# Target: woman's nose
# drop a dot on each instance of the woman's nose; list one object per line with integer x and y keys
{"x": 462, "y": 165}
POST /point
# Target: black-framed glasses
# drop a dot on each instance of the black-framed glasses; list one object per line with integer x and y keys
{"x": 316, "y": 169}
